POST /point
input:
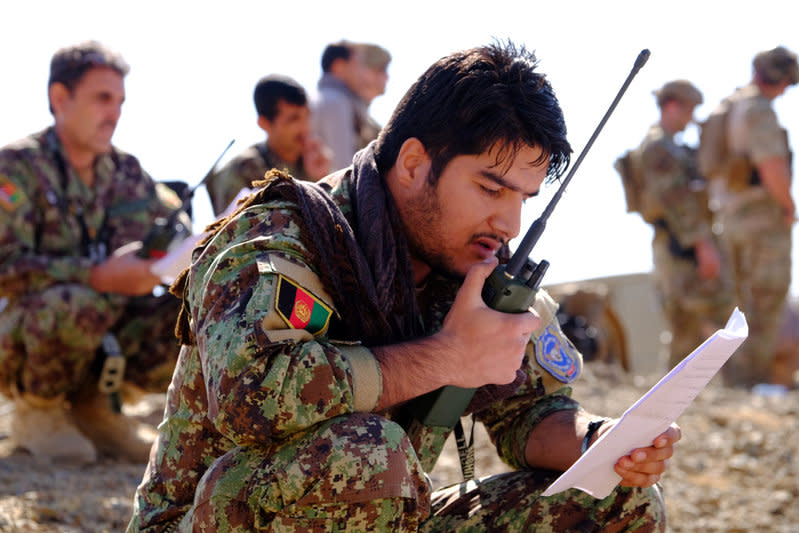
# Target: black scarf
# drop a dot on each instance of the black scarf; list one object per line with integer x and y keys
{"x": 366, "y": 271}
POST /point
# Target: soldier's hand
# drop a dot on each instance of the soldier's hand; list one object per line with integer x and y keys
{"x": 483, "y": 345}
{"x": 123, "y": 272}
{"x": 708, "y": 259}
{"x": 316, "y": 159}
{"x": 644, "y": 466}
{"x": 789, "y": 216}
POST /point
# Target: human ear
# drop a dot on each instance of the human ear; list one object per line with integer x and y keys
{"x": 58, "y": 95}
{"x": 265, "y": 124}
{"x": 413, "y": 163}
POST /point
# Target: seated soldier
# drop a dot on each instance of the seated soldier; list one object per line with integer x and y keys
{"x": 317, "y": 316}
{"x": 75, "y": 209}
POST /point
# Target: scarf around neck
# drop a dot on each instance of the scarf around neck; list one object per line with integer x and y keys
{"x": 366, "y": 270}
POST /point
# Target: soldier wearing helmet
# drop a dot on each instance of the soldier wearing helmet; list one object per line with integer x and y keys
{"x": 693, "y": 291}
{"x": 755, "y": 209}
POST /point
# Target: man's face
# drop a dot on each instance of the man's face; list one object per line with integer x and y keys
{"x": 374, "y": 83}
{"x": 288, "y": 132}
{"x": 354, "y": 72}
{"x": 87, "y": 117}
{"x": 471, "y": 211}
{"x": 686, "y": 115}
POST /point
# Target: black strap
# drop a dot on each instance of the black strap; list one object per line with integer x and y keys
{"x": 263, "y": 150}
{"x": 465, "y": 449}
{"x": 94, "y": 244}
{"x": 593, "y": 426}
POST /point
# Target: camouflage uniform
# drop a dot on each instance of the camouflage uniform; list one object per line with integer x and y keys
{"x": 678, "y": 209}
{"x": 268, "y": 424}
{"x": 754, "y": 234}
{"x": 54, "y": 322}
{"x": 240, "y": 172}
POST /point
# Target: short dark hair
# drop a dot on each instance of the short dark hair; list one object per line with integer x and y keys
{"x": 471, "y": 101}
{"x": 70, "y": 63}
{"x": 271, "y": 89}
{"x": 334, "y": 51}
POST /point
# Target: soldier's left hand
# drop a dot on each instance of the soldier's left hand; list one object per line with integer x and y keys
{"x": 644, "y": 466}
{"x": 123, "y": 272}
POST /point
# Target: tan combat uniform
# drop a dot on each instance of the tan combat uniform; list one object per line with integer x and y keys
{"x": 755, "y": 236}
{"x": 677, "y": 207}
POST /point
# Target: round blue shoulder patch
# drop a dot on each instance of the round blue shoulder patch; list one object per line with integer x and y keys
{"x": 557, "y": 355}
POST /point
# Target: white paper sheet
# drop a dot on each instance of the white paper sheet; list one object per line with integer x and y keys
{"x": 652, "y": 414}
{"x": 173, "y": 263}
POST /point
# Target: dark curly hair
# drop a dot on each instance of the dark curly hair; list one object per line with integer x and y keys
{"x": 471, "y": 101}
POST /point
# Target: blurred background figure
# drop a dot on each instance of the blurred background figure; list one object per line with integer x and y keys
{"x": 663, "y": 185}
{"x": 375, "y": 72}
{"x": 285, "y": 117}
{"x": 746, "y": 153}
{"x": 75, "y": 209}
{"x": 353, "y": 74}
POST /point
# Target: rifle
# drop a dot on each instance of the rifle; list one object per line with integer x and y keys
{"x": 511, "y": 288}
{"x": 156, "y": 243}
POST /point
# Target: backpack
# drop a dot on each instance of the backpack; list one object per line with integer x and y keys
{"x": 628, "y": 166}
{"x": 713, "y": 153}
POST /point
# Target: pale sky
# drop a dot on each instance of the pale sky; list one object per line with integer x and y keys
{"x": 194, "y": 66}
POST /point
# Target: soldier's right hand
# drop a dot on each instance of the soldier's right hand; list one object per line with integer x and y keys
{"x": 708, "y": 259}
{"x": 123, "y": 272}
{"x": 316, "y": 158}
{"x": 483, "y": 345}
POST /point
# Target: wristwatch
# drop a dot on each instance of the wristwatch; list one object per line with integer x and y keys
{"x": 593, "y": 426}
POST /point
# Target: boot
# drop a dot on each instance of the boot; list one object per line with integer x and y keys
{"x": 113, "y": 434}
{"x": 43, "y": 427}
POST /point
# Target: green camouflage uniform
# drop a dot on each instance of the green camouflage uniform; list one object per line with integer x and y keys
{"x": 268, "y": 424}
{"x": 755, "y": 235}
{"x": 54, "y": 321}
{"x": 678, "y": 209}
{"x": 241, "y": 171}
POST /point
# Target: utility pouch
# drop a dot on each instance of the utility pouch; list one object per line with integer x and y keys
{"x": 631, "y": 181}
{"x": 113, "y": 368}
{"x": 739, "y": 174}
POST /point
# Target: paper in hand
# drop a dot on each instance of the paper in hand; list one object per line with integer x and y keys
{"x": 653, "y": 413}
{"x": 172, "y": 264}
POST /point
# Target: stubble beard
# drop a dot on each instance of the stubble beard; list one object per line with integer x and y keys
{"x": 423, "y": 223}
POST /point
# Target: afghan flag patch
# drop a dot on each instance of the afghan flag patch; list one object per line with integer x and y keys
{"x": 299, "y": 308}
{"x": 10, "y": 195}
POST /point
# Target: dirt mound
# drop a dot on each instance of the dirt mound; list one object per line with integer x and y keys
{"x": 736, "y": 468}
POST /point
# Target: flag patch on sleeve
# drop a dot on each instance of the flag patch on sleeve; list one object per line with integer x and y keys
{"x": 10, "y": 195}
{"x": 300, "y": 309}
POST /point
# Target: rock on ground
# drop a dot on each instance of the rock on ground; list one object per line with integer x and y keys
{"x": 736, "y": 468}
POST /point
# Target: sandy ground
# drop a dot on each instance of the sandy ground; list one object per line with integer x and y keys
{"x": 737, "y": 467}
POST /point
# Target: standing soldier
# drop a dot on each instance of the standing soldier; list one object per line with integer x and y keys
{"x": 353, "y": 74}
{"x": 662, "y": 184}
{"x": 74, "y": 209}
{"x": 746, "y": 152}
